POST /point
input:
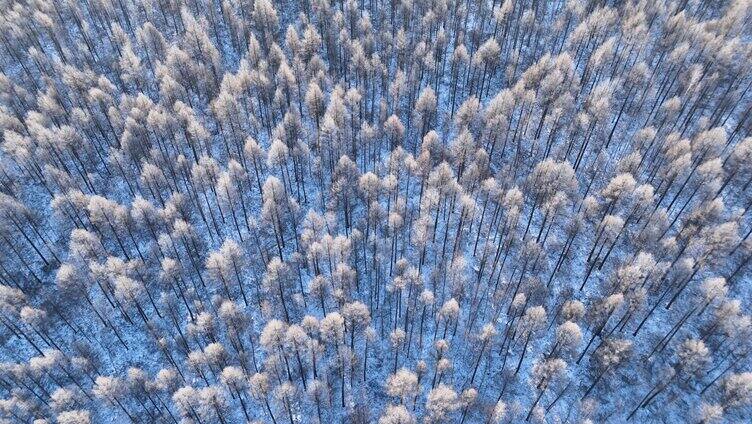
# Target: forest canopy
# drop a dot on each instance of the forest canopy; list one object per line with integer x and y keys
{"x": 403, "y": 211}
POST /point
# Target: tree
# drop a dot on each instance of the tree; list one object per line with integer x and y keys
{"x": 441, "y": 402}
{"x": 450, "y": 311}
{"x": 112, "y": 390}
{"x": 212, "y": 403}
{"x": 710, "y": 413}
{"x": 284, "y": 393}
{"x": 394, "y": 130}
{"x": 612, "y": 353}
{"x": 358, "y": 319}
{"x": 531, "y": 322}
{"x": 296, "y": 340}
{"x": 256, "y": 155}
{"x": 692, "y": 359}
{"x": 314, "y": 100}
{"x": 276, "y": 282}
{"x": 225, "y": 265}
{"x": 396, "y": 415}
{"x": 80, "y": 416}
{"x": 403, "y": 384}
{"x": 568, "y": 338}
{"x": 486, "y": 336}
{"x": 737, "y": 389}
{"x": 276, "y": 208}
{"x": 499, "y": 412}
{"x": 544, "y": 374}
{"x": 260, "y": 389}
{"x": 425, "y": 107}
{"x": 467, "y": 399}
{"x": 601, "y": 314}
{"x": 397, "y": 339}
{"x": 265, "y": 16}
{"x": 332, "y": 329}
{"x": 406, "y": 196}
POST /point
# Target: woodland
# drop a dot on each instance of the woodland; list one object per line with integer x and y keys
{"x": 372, "y": 211}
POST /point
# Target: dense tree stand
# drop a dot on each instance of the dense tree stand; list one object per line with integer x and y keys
{"x": 426, "y": 211}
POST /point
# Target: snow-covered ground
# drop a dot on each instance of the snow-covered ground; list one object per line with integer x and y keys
{"x": 393, "y": 212}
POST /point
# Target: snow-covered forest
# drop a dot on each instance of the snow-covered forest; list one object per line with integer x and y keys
{"x": 361, "y": 211}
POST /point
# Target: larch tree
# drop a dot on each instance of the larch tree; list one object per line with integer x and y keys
{"x": 375, "y": 211}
